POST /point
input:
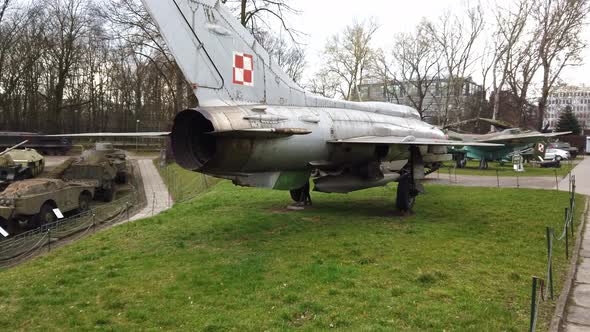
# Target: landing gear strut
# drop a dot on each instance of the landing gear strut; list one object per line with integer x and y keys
{"x": 302, "y": 196}
{"x": 407, "y": 187}
{"x": 483, "y": 164}
{"x": 406, "y": 193}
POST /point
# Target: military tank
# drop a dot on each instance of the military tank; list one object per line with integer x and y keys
{"x": 103, "y": 164}
{"x": 117, "y": 157}
{"x": 19, "y": 164}
{"x": 29, "y": 203}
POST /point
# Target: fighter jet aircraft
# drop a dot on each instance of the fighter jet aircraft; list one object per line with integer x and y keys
{"x": 258, "y": 128}
{"x": 513, "y": 140}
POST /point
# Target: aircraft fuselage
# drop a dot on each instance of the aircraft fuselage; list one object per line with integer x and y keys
{"x": 199, "y": 142}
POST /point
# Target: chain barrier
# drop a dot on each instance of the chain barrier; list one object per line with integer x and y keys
{"x": 546, "y": 288}
{"x": 20, "y": 247}
{"x": 503, "y": 181}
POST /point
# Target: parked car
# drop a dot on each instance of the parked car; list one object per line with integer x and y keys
{"x": 565, "y": 146}
{"x": 557, "y": 154}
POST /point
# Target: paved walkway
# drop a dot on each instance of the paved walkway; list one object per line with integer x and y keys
{"x": 582, "y": 173}
{"x": 533, "y": 182}
{"x": 156, "y": 193}
{"x": 577, "y": 316}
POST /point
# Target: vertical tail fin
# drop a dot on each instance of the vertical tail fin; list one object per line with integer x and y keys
{"x": 219, "y": 57}
{"x": 540, "y": 149}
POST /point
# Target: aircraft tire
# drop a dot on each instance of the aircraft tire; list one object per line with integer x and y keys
{"x": 404, "y": 198}
{"x": 301, "y": 195}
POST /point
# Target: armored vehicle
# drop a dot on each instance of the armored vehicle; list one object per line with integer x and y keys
{"x": 118, "y": 159}
{"x": 104, "y": 164}
{"x": 19, "y": 164}
{"x": 30, "y": 203}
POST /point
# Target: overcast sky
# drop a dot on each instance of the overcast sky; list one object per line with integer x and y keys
{"x": 320, "y": 19}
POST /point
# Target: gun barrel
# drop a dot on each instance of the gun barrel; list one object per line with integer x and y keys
{"x": 13, "y": 147}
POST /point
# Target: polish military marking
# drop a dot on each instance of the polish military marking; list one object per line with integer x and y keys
{"x": 243, "y": 69}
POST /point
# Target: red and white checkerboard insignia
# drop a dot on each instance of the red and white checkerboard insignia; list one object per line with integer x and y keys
{"x": 243, "y": 69}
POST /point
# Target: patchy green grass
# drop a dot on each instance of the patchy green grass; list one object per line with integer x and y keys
{"x": 472, "y": 168}
{"x": 183, "y": 184}
{"x": 235, "y": 259}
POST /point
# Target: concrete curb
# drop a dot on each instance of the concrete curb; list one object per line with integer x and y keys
{"x": 558, "y": 316}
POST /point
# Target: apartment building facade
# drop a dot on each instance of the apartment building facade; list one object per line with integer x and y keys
{"x": 578, "y": 97}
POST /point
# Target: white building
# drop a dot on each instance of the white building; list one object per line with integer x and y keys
{"x": 578, "y": 97}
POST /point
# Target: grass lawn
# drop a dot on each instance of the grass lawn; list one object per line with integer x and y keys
{"x": 183, "y": 184}
{"x": 235, "y": 259}
{"x": 472, "y": 168}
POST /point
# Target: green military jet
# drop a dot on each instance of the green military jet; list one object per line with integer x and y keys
{"x": 513, "y": 140}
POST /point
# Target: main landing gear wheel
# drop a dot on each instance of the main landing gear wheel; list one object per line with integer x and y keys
{"x": 302, "y": 196}
{"x": 461, "y": 163}
{"x": 483, "y": 164}
{"x": 406, "y": 194}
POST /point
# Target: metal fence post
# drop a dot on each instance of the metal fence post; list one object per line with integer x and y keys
{"x": 556, "y": 182}
{"x": 498, "y": 178}
{"x": 127, "y": 206}
{"x": 49, "y": 240}
{"x": 534, "y": 305}
{"x": 567, "y": 247}
{"x": 153, "y": 202}
{"x": 574, "y": 185}
{"x": 572, "y": 219}
{"x": 517, "y": 181}
{"x": 549, "y": 260}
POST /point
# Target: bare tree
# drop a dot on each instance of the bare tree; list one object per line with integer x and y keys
{"x": 258, "y": 14}
{"x": 510, "y": 26}
{"x": 560, "y": 24}
{"x": 290, "y": 58}
{"x": 417, "y": 57}
{"x": 456, "y": 37}
{"x": 325, "y": 84}
{"x": 67, "y": 25}
{"x": 3, "y": 8}
{"x": 521, "y": 73}
{"x": 348, "y": 56}
{"x": 382, "y": 71}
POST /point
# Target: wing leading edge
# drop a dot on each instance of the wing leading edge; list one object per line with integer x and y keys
{"x": 98, "y": 135}
{"x": 522, "y": 138}
{"x": 409, "y": 140}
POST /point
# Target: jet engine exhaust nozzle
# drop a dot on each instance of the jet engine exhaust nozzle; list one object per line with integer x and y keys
{"x": 192, "y": 146}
